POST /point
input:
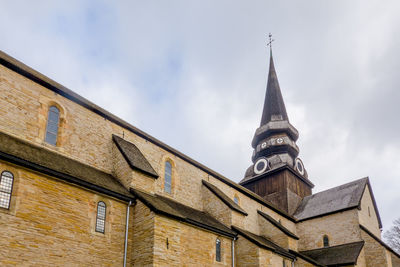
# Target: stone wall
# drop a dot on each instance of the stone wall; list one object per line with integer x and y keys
{"x": 215, "y": 207}
{"x": 367, "y": 215}
{"x": 247, "y": 253}
{"x": 375, "y": 253}
{"x": 52, "y": 223}
{"x": 87, "y": 137}
{"x": 395, "y": 260}
{"x": 143, "y": 236}
{"x": 341, "y": 228}
{"x": 180, "y": 244}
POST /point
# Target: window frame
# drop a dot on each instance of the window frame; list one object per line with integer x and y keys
{"x": 48, "y": 132}
{"x": 100, "y": 219}
{"x": 168, "y": 184}
{"x": 11, "y": 188}
{"x": 236, "y": 199}
{"x": 218, "y": 250}
{"x": 325, "y": 241}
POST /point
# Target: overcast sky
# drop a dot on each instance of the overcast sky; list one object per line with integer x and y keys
{"x": 193, "y": 74}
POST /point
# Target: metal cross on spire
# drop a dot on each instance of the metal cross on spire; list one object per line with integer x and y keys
{"x": 270, "y": 41}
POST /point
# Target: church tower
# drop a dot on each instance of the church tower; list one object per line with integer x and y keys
{"x": 277, "y": 174}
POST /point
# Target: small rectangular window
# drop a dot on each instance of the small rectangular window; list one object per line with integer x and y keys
{"x": 6, "y": 184}
{"x": 218, "y": 250}
{"x": 101, "y": 217}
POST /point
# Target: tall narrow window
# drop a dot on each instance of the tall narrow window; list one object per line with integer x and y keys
{"x": 218, "y": 250}
{"x": 6, "y": 184}
{"x": 326, "y": 241}
{"x": 52, "y": 125}
{"x": 101, "y": 217}
{"x": 236, "y": 199}
{"x": 168, "y": 177}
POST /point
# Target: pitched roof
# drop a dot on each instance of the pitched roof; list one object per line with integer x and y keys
{"x": 306, "y": 258}
{"x": 29, "y": 73}
{"x": 278, "y": 225}
{"x": 333, "y": 200}
{"x": 133, "y": 156}
{"x": 224, "y": 198}
{"x": 274, "y": 107}
{"x": 346, "y": 254}
{"x": 168, "y": 207}
{"x": 51, "y": 163}
{"x": 263, "y": 242}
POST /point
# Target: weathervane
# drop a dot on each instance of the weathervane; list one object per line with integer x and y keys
{"x": 270, "y": 41}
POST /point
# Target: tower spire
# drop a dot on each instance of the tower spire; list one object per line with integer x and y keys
{"x": 277, "y": 174}
{"x": 274, "y": 107}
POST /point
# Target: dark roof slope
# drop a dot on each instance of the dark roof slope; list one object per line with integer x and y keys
{"x": 333, "y": 200}
{"x": 133, "y": 156}
{"x": 224, "y": 198}
{"x": 263, "y": 242}
{"x": 171, "y": 208}
{"x": 341, "y": 255}
{"x": 278, "y": 225}
{"x": 304, "y": 257}
{"x": 51, "y": 163}
{"x": 24, "y": 70}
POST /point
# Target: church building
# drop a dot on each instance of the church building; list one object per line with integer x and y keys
{"x": 82, "y": 187}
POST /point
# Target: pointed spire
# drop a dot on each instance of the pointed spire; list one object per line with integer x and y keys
{"x": 274, "y": 107}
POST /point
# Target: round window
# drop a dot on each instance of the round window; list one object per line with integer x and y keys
{"x": 260, "y": 166}
{"x": 299, "y": 166}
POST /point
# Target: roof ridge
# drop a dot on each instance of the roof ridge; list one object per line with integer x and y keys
{"x": 332, "y": 188}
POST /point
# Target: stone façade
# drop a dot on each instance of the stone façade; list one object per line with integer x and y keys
{"x": 51, "y": 219}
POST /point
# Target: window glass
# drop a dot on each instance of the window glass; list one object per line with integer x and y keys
{"x": 6, "y": 184}
{"x": 326, "y": 241}
{"x": 218, "y": 250}
{"x": 236, "y": 200}
{"x": 101, "y": 217}
{"x": 168, "y": 177}
{"x": 52, "y": 125}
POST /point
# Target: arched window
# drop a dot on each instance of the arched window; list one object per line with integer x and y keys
{"x": 326, "y": 241}
{"x": 6, "y": 185}
{"x": 168, "y": 177}
{"x": 236, "y": 199}
{"x": 52, "y": 125}
{"x": 218, "y": 250}
{"x": 101, "y": 217}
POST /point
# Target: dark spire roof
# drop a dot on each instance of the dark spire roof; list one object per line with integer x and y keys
{"x": 274, "y": 107}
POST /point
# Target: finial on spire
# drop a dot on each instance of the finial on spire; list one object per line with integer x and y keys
{"x": 270, "y": 42}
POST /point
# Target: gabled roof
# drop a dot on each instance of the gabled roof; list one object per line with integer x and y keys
{"x": 133, "y": 156}
{"x": 224, "y": 198}
{"x": 278, "y": 225}
{"x": 342, "y": 255}
{"x": 31, "y": 74}
{"x": 170, "y": 208}
{"x": 263, "y": 242}
{"x": 340, "y": 198}
{"x": 40, "y": 159}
